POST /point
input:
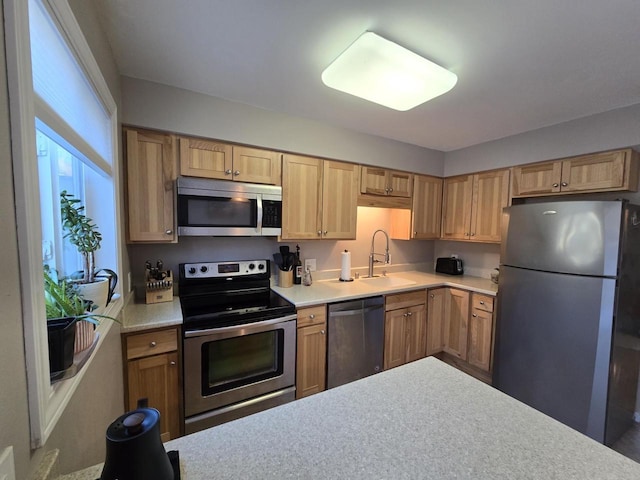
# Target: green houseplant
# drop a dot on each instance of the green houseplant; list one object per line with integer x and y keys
{"x": 83, "y": 233}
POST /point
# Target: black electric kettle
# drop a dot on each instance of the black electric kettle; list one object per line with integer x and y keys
{"x": 134, "y": 448}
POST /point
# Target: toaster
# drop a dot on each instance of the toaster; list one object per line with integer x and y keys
{"x": 449, "y": 265}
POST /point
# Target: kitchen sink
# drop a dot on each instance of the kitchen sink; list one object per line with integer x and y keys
{"x": 387, "y": 281}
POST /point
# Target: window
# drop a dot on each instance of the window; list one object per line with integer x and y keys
{"x": 63, "y": 121}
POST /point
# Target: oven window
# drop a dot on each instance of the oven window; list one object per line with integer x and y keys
{"x": 197, "y": 211}
{"x": 237, "y": 361}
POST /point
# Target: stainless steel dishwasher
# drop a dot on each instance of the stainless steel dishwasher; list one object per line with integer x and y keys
{"x": 355, "y": 340}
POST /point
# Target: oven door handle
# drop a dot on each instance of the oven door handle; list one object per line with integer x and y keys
{"x": 210, "y": 331}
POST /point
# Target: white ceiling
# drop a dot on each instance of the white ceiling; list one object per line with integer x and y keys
{"x": 521, "y": 64}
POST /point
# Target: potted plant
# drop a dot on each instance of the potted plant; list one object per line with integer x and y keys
{"x": 84, "y": 235}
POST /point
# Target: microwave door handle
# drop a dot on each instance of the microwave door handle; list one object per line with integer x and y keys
{"x": 259, "y": 222}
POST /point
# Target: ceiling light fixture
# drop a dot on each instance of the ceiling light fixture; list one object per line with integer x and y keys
{"x": 383, "y": 72}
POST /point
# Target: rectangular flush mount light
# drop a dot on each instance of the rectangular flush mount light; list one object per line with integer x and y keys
{"x": 383, "y": 72}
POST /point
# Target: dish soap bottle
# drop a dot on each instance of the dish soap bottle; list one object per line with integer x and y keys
{"x": 297, "y": 267}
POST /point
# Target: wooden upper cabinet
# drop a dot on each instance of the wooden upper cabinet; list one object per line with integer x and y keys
{"x": 456, "y": 316}
{"x": 472, "y": 206}
{"x": 205, "y": 158}
{"x": 607, "y": 171}
{"x": 380, "y": 181}
{"x": 426, "y": 214}
{"x": 456, "y": 207}
{"x": 339, "y": 200}
{"x": 211, "y": 159}
{"x": 255, "y": 165}
{"x": 301, "y": 197}
{"x": 151, "y": 170}
{"x": 319, "y": 198}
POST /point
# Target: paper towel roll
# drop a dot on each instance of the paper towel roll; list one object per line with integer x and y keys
{"x": 345, "y": 269}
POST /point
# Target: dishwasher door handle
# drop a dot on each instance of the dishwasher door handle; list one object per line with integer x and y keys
{"x": 342, "y": 313}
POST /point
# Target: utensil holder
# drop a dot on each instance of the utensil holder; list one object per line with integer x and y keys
{"x": 285, "y": 278}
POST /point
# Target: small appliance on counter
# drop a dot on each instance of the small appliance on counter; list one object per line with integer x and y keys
{"x": 135, "y": 450}
{"x": 158, "y": 283}
{"x": 449, "y": 265}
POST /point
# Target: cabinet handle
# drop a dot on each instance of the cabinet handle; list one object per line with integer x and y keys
{"x": 555, "y": 185}
{"x": 172, "y": 363}
{"x": 415, "y": 234}
{"x": 474, "y": 315}
{"x": 386, "y": 190}
{"x": 236, "y": 173}
{"x": 481, "y": 302}
{"x": 168, "y": 232}
{"x": 564, "y": 184}
{"x": 227, "y": 171}
{"x": 321, "y": 332}
{"x": 404, "y": 315}
{"x": 473, "y": 234}
{"x": 466, "y": 234}
{"x": 390, "y": 189}
{"x": 432, "y": 295}
{"x": 324, "y": 233}
{"x": 410, "y": 314}
{"x": 319, "y": 233}
{"x": 312, "y": 316}
{"x": 153, "y": 344}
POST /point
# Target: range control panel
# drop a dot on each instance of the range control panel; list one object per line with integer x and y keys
{"x": 225, "y": 269}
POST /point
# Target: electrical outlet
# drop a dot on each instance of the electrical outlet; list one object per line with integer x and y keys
{"x": 310, "y": 263}
{"x": 454, "y": 255}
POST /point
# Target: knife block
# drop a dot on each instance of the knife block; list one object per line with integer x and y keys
{"x": 158, "y": 291}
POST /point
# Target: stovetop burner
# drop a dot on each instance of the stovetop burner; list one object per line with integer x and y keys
{"x": 220, "y": 294}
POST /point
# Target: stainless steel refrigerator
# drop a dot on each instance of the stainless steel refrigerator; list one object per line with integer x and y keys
{"x": 568, "y": 325}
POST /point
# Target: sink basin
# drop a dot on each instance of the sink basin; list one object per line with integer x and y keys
{"x": 387, "y": 281}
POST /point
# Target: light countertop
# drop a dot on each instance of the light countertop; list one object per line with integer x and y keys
{"x": 421, "y": 420}
{"x": 326, "y": 291}
{"x": 140, "y": 316}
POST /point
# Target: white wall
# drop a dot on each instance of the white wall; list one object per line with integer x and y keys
{"x": 172, "y": 109}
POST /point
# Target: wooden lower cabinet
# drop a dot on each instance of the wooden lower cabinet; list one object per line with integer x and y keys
{"x": 311, "y": 356}
{"x": 456, "y": 316}
{"x": 152, "y": 371}
{"x": 435, "y": 319}
{"x": 405, "y": 328}
{"x": 481, "y": 331}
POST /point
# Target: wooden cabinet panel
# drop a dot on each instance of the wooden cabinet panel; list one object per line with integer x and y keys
{"x": 455, "y": 322}
{"x": 151, "y": 343}
{"x": 435, "y": 320}
{"x": 255, "y": 165}
{"x": 416, "y": 332}
{"x": 400, "y": 184}
{"x": 151, "y": 169}
{"x": 395, "y": 339}
{"x": 427, "y": 207}
{"x": 301, "y": 197}
{"x": 456, "y": 207}
{"x": 480, "y": 338}
{"x": 405, "y": 299}
{"x": 598, "y": 172}
{"x": 311, "y": 360}
{"x": 380, "y": 181}
{"x": 205, "y": 158}
{"x": 311, "y": 316}
{"x": 482, "y": 302}
{"x": 490, "y": 196}
{"x": 157, "y": 379}
{"x": 339, "y": 200}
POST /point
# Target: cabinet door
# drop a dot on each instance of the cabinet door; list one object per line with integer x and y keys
{"x": 490, "y": 196}
{"x": 301, "y": 197}
{"x": 427, "y": 207}
{"x": 151, "y": 174}
{"x": 311, "y": 360}
{"x": 601, "y": 171}
{"x": 205, "y": 158}
{"x": 416, "y": 332}
{"x": 480, "y": 337}
{"x": 156, "y": 378}
{"x": 254, "y": 165}
{"x": 400, "y": 184}
{"x": 456, "y": 207}
{"x": 395, "y": 335}
{"x": 455, "y": 322}
{"x": 374, "y": 181}
{"x": 537, "y": 179}
{"x": 435, "y": 320}
{"x": 339, "y": 200}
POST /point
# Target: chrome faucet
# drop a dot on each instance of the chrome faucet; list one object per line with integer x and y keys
{"x": 372, "y": 260}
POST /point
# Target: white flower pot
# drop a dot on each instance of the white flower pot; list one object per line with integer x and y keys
{"x": 97, "y": 292}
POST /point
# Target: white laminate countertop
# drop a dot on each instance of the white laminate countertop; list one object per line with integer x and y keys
{"x": 140, "y": 316}
{"x": 326, "y": 291}
{"x": 424, "y": 419}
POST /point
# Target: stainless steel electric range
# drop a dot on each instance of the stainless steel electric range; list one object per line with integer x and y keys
{"x": 239, "y": 342}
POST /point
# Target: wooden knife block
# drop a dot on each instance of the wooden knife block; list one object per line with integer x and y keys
{"x": 158, "y": 291}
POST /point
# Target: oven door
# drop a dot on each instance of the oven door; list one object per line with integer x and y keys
{"x": 220, "y": 213}
{"x": 227, "y": 365}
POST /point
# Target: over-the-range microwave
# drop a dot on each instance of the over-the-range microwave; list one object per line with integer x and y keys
{"x": 209, "y": 207}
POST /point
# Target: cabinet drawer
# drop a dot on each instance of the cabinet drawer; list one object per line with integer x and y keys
{"x": 152, "y": 343}
{"x": 482, "y": 302}
{"x": 406, "y": 299}
{"x": 312, "y": 316}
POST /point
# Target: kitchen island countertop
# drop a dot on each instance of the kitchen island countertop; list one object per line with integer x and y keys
{"x": 422, "y": 420}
